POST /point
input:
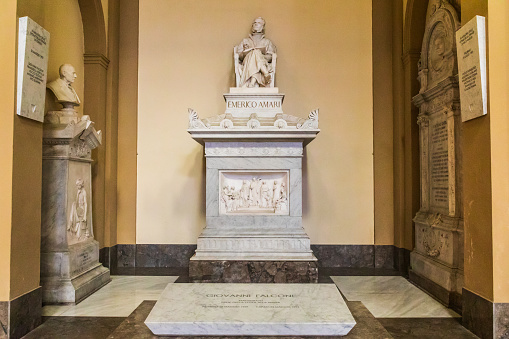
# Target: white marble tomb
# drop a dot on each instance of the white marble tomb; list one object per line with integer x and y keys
{"x": 250, "y": 309}
{"x": 254, "y": 178}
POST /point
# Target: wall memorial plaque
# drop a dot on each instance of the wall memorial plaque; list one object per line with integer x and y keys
{"x": 438, "y": 234}
{"x": 471, "y": 45}
{"x": 33, "y": 47}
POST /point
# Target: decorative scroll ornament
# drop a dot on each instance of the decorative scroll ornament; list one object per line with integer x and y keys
{"x": 435, "y": 219}
{"x": 226, "y": 123}
{"x": 194, "y": 120}
{"x": 280, "y": 123}
{"x": 311, "y": 122}
{"x": 79, "y": 149}
{"x": 423, "y": 120}
{"x": 253, "y": 123}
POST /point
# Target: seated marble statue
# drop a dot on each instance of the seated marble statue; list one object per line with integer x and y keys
{"x": 64, "y": 92}
{"x": 255, "y": 58}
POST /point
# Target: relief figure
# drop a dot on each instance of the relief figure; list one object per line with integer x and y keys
{"x": 78, "y": 219}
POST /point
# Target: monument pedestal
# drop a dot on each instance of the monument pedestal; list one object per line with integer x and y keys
{"x": 70, "y": 268}
{"x": 253, "y": 157}
{"x": 245, "y": 271}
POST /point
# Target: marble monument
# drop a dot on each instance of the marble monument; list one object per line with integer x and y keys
{"x": 253, "y": 154}
{"x": 251, "y": 309}
{"x": 70, "y": 268}
{"x": 33, "y": 49}
{"x": 438, "y": 252}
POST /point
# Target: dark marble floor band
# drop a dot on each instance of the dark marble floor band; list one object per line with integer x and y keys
{"x": 175, "y": 255}
{"x": 21, "y": 315}
{"x": 230, "y": 271}
{"x": 75, "y": 327}
{"x": 449, "y": 299}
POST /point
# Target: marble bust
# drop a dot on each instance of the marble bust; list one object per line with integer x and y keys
{"x": 62, "y": 87}
{"x": 255, "y": 58}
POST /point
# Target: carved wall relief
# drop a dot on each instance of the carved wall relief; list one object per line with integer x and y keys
{"x": 78, "y": 228}
{"x": 242, "y": 192}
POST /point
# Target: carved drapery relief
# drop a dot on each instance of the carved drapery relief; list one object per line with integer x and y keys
{"x": 78, "y": 227}
{"x": 253, "y": 193}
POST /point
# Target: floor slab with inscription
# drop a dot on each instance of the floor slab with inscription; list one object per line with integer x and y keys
{"x": 250, "y": 309}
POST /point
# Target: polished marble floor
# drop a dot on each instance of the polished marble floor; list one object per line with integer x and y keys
{"x": 117, "y": 299}
{"x": 384, "y": 305}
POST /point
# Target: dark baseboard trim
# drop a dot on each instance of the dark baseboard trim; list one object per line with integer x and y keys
{"x": 402, "y": 260}
{"x": 126, "y": 258}
{"x": 108, "y": 257}
{"x": 450, "y": 299}
{"x": 21, "y": 315}
{"x": 485, "y": 318}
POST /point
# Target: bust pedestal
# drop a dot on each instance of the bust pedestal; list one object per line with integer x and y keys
{"x": 254, "y": 229}
{"x": 70, "y": 268}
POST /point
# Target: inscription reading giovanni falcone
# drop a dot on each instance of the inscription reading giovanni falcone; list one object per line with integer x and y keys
{"x": 258, "y": 300}
{"x": 439, "y": 164}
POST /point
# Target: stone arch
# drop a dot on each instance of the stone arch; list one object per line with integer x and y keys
{"x": 95, "y": 102}
{"x": 94, "y": 28}
{"x": 414, "y": 26}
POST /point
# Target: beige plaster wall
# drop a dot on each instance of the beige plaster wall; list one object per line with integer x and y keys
{"x": 498, "y": 28}
{"x": 477, "y": 187}
{"x": 324, "y": 60}
{"x": 8, "y": 24}
{"x": 127, "y": 122}
{"x": 383, "y": 109}
{"x": 63, "y": 21}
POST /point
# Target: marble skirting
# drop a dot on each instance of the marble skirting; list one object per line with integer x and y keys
{"x": 21, "y": 315}
{"x": 124, "y": 258}
{"x": 253, "y": 271}
{"x": 108, "y": 257}
{"x": 450, "y": 299}
{"x": 485, "y": 318}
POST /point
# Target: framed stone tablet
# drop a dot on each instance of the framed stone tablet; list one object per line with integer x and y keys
{"x": 33, "y": 47}
{"x": 471, "y": 46}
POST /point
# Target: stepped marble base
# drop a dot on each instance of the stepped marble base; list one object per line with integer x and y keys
{"x": 236, "y": 271}
{"x": 71, "y": 276}
{"x": 449, "y": 278}
{"x": 72, "y": 291}
{"x": 250, "y": 309}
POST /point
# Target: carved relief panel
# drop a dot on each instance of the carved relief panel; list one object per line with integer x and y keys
{"x": 253, "y": 193}
{"x": 438, "y": 255}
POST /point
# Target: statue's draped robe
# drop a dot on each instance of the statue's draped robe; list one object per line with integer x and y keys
{"x": 254, "y": 60}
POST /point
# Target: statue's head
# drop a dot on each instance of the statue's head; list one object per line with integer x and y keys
{"x": 79, "y": 183}
{"x": 258, "y": 25}
{"x": 67, "y": 73}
